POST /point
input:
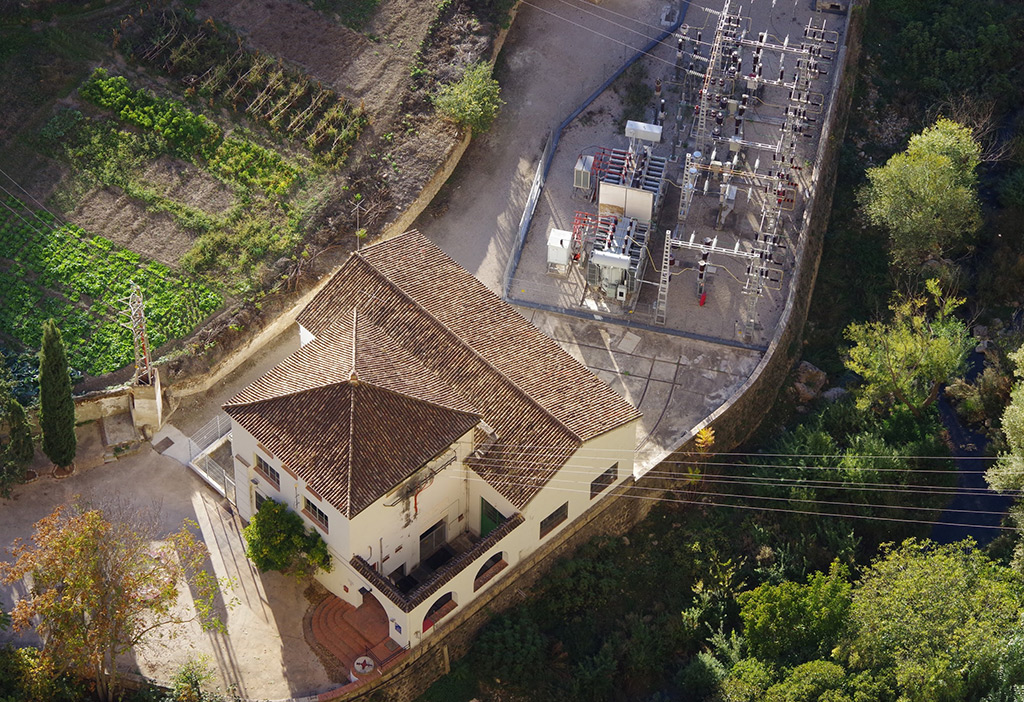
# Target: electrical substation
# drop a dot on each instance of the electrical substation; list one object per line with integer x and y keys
{"x": 688, "y": 220}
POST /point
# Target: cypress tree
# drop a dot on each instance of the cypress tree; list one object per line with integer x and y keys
{"x": 56, "y": 406}
{"x": 21, "y": 449}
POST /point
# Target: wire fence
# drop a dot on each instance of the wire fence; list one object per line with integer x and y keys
{"x": 527, "y": 218}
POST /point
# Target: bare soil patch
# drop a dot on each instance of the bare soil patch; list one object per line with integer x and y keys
{"x": 185, "y": 183}
{"x": 126, "y": 221}
{"x": 372, "y": 73}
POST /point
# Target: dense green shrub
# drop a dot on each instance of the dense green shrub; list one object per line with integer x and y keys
{"x": 512, "y": 649}
{"x": 276, "y": 538}
{"x": 792, "y": 623}
{"x": 700, "y": 678}
{"x": 810, "y": 682}
{"x": 748, "y": 681}
{"x": 473, "y": 101}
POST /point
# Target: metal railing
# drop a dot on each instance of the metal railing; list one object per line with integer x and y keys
{"x": 219, "y": 477}
{"x": 213, "y": 430}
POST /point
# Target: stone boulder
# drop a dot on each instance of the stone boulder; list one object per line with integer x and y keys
{"x": 834, "y": 394}
{"x": 809, "y": 382}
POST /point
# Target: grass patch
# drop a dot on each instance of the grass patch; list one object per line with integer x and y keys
{"x": 634, "y": 92}
{"x": 60, "y": 271}
{"x": 354, "y": 14}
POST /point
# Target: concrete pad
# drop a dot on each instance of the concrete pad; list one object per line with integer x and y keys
{"x": 178, "y": 449}
{"x": 664, "y": 370}
{"x": 629, "y": 342}
{"x": 118, "y": 429}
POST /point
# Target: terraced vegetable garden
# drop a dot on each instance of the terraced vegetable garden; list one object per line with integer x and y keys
{"x": 51, "y": 269}
{"x": 212, "y": 167}
{"x": 217, "y": 69}
{"x": 191, "y": 135}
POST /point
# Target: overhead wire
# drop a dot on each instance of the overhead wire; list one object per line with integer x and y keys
{"x": 648, "y": 54}
{"x": 911, "y": 489}
{"x": 588, "y": 469}
{"x": 575, "y": 486}
{"x": 548, "y": 449}
{"x": 762, "y": 508}
{"x": 31, "y": 196}
{"x": 542, "y": 451}
{"x": 659, "y": 30}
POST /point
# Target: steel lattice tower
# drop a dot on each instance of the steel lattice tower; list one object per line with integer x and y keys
{"x": 137, "y": 323}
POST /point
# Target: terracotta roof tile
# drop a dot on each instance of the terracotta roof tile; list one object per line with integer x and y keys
{"x": 539, "y": 399}
{"x": 352, "y": 442}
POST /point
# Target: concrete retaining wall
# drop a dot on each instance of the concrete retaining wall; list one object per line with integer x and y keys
{"x": 93, "y": 406}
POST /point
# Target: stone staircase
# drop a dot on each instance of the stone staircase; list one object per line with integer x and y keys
{"x": 349, "y": 632}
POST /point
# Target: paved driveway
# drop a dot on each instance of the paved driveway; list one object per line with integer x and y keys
{"x": 264, "y": 654}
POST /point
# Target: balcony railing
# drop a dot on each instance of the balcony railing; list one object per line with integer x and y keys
{"x": 408, "y": 601}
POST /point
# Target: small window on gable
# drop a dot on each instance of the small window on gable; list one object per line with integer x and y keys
{"x": 268, "y": 472}
{"x": 314, "y": 513}
{"x": 553, "y": 520}
{"x": 601, "y": 482}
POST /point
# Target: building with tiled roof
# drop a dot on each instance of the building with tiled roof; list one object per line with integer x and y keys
{"x": 428, "y": 430}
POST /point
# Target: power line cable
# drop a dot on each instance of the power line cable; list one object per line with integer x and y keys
{"x": 909, "y": 490}
{"x": 41, "y": 205}
{"x": 783, "y": 481}
{"x": 795, "y": 511}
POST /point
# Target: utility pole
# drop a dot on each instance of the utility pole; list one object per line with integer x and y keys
{"x": 137, "y": 323}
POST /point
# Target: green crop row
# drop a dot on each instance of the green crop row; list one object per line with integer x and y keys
{"x": 231, "y": 159}
{"x": 250, "y": 165}
{"x": 48, "y": 269}
{"x": 187, "y": 131}
{"x": 221, "y": 71}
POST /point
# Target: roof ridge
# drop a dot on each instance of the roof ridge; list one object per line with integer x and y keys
{"x": 522, "y": 393}
{"x": 421, "y": 400}
{"x": 351, "y": 445}
{"x": 299, "y": 391}
{"x": 355, "y": 336}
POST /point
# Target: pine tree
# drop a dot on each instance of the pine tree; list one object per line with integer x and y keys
{"x": 56, "y": 406}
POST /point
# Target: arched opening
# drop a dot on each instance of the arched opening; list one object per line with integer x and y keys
{"x": 491, "y": 567}
{"x": 441, "y": 607}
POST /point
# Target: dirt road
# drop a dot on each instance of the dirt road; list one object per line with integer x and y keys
{"x": 557, "y": 53}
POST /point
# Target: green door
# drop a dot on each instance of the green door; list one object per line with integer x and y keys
{"x": 490, "y": 518}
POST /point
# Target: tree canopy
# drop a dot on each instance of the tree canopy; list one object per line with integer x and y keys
{"x": 277, "y": 539}
{"x": 792, "y": 623}
{"x": 17, "y": 450}
{"x": 56, "y": 405}
{"x": 909, "y": 358}
{"x": 938, "y": 615}
{"x": 1007, "y": 474}
{"x": 926, "y": 196}
{"x": 101, "y": 582}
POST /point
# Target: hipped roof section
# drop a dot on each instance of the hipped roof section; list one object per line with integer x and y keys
{"x": 411, "y": 322}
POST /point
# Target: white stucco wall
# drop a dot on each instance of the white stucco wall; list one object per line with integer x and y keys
{"x": 389, "y": 536}
{"x": 244, "y": 449}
